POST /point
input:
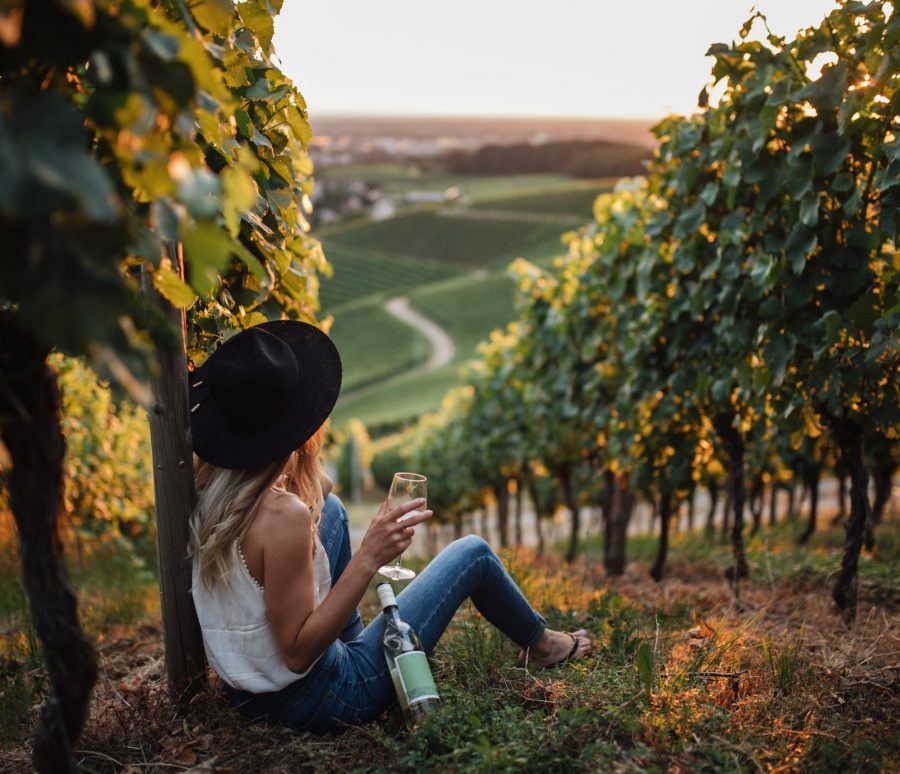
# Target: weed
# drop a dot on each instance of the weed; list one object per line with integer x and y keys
{"x": 16, "y": 696}
{"x": 720, "y": 688}
{"x": 783, "y": 662}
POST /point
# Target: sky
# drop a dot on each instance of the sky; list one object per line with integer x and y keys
{"x": 597, "y": 58}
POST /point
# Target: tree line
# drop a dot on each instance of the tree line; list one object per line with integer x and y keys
{"x": 729, "y": 321}
{"x": 154, "y": 186}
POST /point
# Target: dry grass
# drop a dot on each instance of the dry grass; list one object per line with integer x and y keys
{"x": 771, "y": 681}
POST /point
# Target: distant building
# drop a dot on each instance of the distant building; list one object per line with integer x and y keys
{"x": 451, "y": 194}
{"x": 424, "y": 197}
{"x": 326, "y": 216}
{"x": 383, "y": 209}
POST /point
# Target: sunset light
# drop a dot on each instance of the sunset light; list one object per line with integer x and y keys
{"x": 515, "y": 57}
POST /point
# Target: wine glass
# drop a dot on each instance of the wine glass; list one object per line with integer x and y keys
{"x": 404, "y": 487}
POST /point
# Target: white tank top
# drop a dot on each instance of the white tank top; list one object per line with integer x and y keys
{"x": 237, "y": 637}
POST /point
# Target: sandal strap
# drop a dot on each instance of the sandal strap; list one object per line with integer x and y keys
{"x": 574, "y": 646}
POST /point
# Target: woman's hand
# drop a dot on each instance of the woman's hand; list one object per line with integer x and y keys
{"x": 391, "y": 531}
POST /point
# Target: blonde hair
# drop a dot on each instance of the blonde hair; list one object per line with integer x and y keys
{"x": 228, "y": 500}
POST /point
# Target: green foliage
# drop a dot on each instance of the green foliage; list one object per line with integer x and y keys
{"x": 783, "y": 660}
{"x": 108, "y": 465}
{"x": 128, "y": 127}
{"x": 16, "y": 696}
{"x": 375, "y": 345}
{"x": 390, "y": 454}
{"x": 362, "y": 272}
{"x": 439, "y": 235}
{"x": 645, "y": 663}
{"x": 744, "y": 294}
{"x": 467, "y": 307}
{"x": 575, "y": 200}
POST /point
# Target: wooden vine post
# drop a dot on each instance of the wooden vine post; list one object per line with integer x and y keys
{"x": 173, "y": 485}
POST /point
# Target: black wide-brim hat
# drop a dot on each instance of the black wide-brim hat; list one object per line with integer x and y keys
{"x": 263, "y": 393}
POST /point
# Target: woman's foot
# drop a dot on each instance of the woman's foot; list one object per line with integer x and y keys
{"x": 555, "y": 647}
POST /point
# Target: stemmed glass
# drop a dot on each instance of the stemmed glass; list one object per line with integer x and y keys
{"x": 404, "y": 487}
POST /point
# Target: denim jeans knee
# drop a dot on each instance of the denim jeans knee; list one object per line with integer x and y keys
{"x": 474, "y": 544}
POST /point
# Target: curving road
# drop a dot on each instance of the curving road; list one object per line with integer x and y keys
{"x": 442, "y": 346}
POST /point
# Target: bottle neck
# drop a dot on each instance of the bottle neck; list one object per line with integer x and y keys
{"x": 392, "y": 613}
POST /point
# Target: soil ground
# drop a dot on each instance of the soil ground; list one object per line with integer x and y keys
{"x": 685, "y": 676}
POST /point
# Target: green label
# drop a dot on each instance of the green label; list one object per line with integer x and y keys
{"x": 415, "y": 676}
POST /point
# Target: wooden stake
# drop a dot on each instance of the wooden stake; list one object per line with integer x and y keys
{"x": 173, "y": 484}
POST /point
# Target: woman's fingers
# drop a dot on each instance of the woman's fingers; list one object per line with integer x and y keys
{"x": 404, "y": 510}
{"x": 415, "y": 518}
{"x": 410, "y": 513}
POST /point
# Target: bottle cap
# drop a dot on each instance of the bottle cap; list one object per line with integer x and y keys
{"x": 386, "y": 594}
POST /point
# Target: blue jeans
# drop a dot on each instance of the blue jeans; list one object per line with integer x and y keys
{"x": 350, "y": 684}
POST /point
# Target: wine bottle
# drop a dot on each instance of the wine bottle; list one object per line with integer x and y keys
{"x": 406, "y": 661}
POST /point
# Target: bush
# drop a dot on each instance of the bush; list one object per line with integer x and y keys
{"x": 108, "y": 465}
{"x": 389, "y": 455}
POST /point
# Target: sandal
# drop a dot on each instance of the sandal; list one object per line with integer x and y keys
{"x": 574, "y": 647}
{"x": 523, "y": 656}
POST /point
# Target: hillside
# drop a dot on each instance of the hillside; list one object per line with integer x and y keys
{"x": 579, "y": 158}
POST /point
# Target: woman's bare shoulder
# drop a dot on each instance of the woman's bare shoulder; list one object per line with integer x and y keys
{"x": 282, "y": 516}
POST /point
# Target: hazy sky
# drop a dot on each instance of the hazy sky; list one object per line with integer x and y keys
{"x": 617, "y": 58}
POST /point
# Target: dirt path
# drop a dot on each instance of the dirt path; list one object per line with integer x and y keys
{"x": 442, "y": 346}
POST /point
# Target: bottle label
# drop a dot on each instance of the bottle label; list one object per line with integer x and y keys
{"x": 415, "y": 677}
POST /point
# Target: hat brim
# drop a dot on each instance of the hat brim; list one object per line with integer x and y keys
{"x": 219, "y": 444}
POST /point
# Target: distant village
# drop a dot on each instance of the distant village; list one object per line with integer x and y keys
{"x": 349, "y": 152}
{"x": 341, "y": 197}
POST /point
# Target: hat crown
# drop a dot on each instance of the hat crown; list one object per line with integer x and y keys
{"x": 253, "y": 379}
{"x": 263, "y": 393}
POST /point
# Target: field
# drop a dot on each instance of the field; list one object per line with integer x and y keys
{"x": 400, "y": 178}
{"x": 364, "y": 272}
{"x": 467, "y": 307}
{"x": 683, "y": 677}
{"x": 457, "y": 241}
{"x": 451, "y": 263}
{"x": 572, "y": 200}
{"x": 374, "y": 345}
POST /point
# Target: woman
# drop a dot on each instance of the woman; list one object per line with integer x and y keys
{"x": 274, "y": 582}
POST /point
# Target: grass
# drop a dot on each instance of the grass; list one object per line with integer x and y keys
{"x": 398, "y": 178}
{"x": 456, "y": 241}
{"x": 361, "y": 272}
{"x": 429, "y": 258}
{"x": 374, "y": 345}
{"x": 405, "y": 397}
{"x": 575, "y": 199}
{"x": 468, "y": 308}
{"x": 682, "y": 678}
{"x": 117, "y": 588}
{"x": 784, "y": 662}
{"x": 774, "y": 554}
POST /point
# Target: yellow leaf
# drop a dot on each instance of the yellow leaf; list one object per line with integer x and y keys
{"x": 240, "y": 195}
{"x": 174, "y": 289}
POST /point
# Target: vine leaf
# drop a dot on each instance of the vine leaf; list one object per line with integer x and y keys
{"x": 175, "y": 290}
{"x": 801, "y": 242}
{"x": 214, "y": 15}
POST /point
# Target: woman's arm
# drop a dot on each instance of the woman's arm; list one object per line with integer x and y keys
{"x": 302, "y": 630}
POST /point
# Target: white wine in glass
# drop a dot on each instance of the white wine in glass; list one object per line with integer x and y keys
{"x": 404, "y": 487}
